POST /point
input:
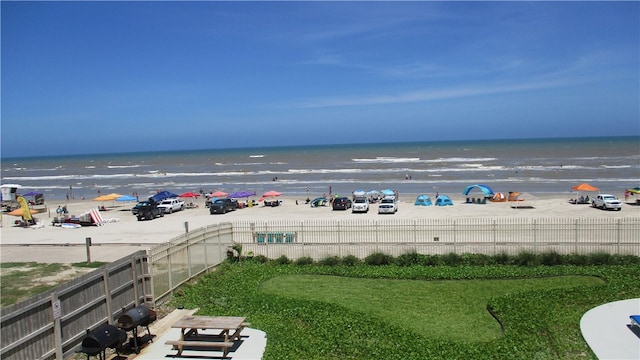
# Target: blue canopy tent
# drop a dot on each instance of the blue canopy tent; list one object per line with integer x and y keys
{"x": 484, "y": 188}
{"x": 163, "y": 195}
{"x": 423, "y": 200}
{"x": 443, "y": 200}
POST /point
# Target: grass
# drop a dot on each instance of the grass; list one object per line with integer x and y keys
{"x": 21, "y": 280}
{"x": 448, "y": 310}
{"x": 413, "y": 312}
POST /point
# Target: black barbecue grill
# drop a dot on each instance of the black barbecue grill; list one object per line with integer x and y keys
{"x": 106, "y": 336}
{"x": 137, "y": 316}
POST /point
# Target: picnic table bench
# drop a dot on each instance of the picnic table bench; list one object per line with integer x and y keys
{"x": 192, "y": 339}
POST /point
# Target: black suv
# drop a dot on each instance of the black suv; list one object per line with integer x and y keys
{"x": 147, "y": 210}
{"x": 221, "y": 206}
{"x": 341, "y": 203}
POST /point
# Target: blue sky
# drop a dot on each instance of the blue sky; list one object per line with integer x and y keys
{"x": 96, "y": 77}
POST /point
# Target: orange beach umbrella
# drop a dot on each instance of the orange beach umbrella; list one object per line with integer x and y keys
{"x": 18, "y": 212}
{"x": 109, "y": 197}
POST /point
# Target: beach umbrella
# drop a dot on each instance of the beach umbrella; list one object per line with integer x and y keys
{"x": 241, "y": 194}
{"x": 18, "y": 212}
{"x": 271, "y": 194}
{"x": 126, "y": 198}
{"x": 359, "y": 193}
{"x": 32, "y": 193}
{"x": 585, "y": 187}
{"x": 635, "y": 190}
{"x": 218, "y": 194}
{"x": 189, "y": 194}
{"x": 388, "y": 192}
{"x": 109, "y": 197}
{"x": 268, "y": 194}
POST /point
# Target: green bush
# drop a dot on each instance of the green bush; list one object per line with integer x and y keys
{"x": 260, "y": 259}
{"x": 305, "y": 260}
{"x": 330, "y": 261}
{"x": 452, "y": 259}
{"x": 501, "y": 258}
{"x": 551, "y": 258}
{"x": 378, "y": 259}
{"x": 526, "y": 258}
{"x": 351, "y": 260}
{"x": 282, "y": 260}
{"x": 408, "y": 259}
{"x": 600, "y": 258}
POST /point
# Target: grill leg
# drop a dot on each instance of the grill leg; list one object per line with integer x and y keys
{"x": 149, "y": 332}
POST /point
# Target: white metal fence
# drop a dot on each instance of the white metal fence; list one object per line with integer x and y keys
{"x": 322, "y": 238}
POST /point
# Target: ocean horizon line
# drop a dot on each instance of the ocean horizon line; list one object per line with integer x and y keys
{"x": 329, "y": 145}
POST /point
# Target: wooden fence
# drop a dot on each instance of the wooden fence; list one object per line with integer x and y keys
{"x": 53, "y": 325}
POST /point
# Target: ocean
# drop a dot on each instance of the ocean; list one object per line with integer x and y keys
{"x": 536, "y": 166}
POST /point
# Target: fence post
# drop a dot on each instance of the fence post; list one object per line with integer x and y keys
{"x": 495, "y": 235}
{"x": 455, "y": 236}
{"x": 618, "y": 234}
{"x": 57, "y": 328}
{"x": 575, "y": 233}
{"x": 107, "y": 293}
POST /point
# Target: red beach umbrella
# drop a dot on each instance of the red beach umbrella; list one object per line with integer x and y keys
{"x": 218, "y": 194}
{"x": 189, "y": 194}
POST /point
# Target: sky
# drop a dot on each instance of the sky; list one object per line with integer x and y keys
{"x": 102, "y": 77}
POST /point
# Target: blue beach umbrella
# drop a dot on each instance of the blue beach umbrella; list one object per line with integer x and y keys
{"x": 126, "y": 198}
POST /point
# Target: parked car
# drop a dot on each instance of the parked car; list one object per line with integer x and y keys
{"x": 388, "y": 205}
{"x": 147, "y": 209}
{"x": 341, "y": 203}
{"x": 606, "y": 201}
{"x": 222, "y": 206}
{"x": 171, "y": 205}
{"x": 360, "y": 204}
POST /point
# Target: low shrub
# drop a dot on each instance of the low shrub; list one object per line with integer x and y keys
{"x": 282, "y": 260}
{"x": 330, "y": 261}
{"x": 305, "y": 260}
{"x": 351, "y": 260}
{"x": 378, "y": 259}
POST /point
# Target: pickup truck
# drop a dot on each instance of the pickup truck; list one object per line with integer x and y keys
{"x": 147, "y": 209}
{"x": 221, "y": 206}
{"x": 606, "y": 202}
{"x": 168, "y": 206}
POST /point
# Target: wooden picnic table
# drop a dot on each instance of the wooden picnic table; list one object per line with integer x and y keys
{"x": 229, "y": 328}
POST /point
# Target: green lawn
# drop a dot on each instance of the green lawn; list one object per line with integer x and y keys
{"x": 449, "y": 310}
{"x": 412, "y": 312}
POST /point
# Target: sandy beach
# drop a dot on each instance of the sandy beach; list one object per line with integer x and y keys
{"x": 123, "y": 234}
